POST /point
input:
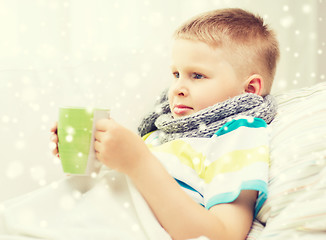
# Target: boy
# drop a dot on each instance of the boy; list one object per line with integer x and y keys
{"x": 204, "y": 169}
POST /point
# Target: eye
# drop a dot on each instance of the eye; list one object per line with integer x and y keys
{"x": 197, "y": 76}
{"x": 176, "y": 74}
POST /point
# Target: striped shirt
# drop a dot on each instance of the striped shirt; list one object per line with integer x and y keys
{"x": 215, "y": 170}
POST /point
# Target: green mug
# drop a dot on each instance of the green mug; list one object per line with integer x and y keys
{"x": 76, "y": 127}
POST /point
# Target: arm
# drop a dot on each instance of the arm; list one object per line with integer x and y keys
{"x": 182, "y": 218}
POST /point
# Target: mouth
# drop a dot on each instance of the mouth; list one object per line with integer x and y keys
{"x": 180, "y": 109}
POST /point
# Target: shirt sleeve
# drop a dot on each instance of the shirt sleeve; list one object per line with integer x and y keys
{"x": 238, "y": 159}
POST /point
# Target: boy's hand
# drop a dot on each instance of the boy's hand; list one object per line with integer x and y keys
{"x": 54, "y": 139}
{"x": 119, "y": 148}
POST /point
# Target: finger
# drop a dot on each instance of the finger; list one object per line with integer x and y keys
{"x": 97, "y": 146}
{"x": 54, "y": 138}
{"x": 98, "y": 155}
{"x": 98, "y": 135}
{"x": 54, "y": 141}
{"x": 55, "y": 152}
{"x": 54, "y": 147}
{"x": 103, "y": 124}
{"x": 54, "y": 128}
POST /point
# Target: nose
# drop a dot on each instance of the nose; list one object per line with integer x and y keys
{"x": 180, "y": 88}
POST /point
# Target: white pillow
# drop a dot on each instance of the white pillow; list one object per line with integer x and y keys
{"x": 296, "y": 206}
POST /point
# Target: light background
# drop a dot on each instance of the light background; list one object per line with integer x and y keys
{"x": 114, "y": 54}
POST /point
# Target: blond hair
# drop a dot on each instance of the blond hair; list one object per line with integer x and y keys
{"x": 252, "y": 45}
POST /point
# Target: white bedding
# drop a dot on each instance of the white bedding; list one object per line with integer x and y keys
{"x": 105, "y": 207}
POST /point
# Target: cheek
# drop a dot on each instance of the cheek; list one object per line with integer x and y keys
{"x": 211, "y": 97}
{"x": 205, "y": 100}
{"x": 169, "y": 93}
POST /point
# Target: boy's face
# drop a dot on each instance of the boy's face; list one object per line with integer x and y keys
{"x": 202, "y": 77}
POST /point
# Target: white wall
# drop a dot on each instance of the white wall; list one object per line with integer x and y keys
{"x": 113, "y": 54}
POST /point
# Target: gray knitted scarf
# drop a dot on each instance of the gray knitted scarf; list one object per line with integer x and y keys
{"x": 206, "y": 122}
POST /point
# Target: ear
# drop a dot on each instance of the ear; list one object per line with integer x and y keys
{"x": 254, "y": 84}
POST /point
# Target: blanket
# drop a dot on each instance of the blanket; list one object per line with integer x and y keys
{"x": 107, "y": 206}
